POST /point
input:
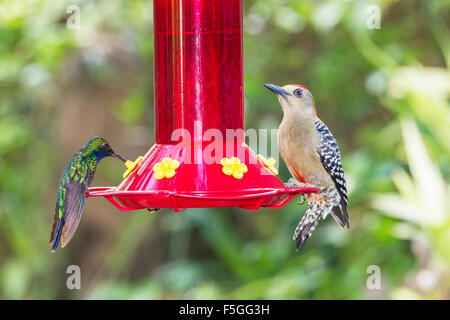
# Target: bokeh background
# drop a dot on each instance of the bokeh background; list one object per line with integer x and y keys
{"x": 383, "y": 92}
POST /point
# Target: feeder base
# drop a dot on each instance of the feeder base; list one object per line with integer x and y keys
{"x": 246, "y": 199}
{"x": 199, "y": 185}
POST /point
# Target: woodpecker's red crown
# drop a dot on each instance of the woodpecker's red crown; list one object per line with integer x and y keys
{"x": 299, "y": 85}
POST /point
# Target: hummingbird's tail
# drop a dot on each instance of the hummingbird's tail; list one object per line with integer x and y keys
{"x": 57, "y": 228}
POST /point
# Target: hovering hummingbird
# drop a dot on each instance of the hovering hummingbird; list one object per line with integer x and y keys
{"x": 75, "y": 179}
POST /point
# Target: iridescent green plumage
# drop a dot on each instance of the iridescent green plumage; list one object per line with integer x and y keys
{"x": 76, "y": 178}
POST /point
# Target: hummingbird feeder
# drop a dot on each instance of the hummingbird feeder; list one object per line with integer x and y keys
{"x": 199, "y": 91}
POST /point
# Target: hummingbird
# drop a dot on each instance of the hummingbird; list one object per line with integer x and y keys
{"x": 76, "y": 178}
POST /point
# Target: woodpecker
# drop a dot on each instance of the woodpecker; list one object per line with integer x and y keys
{"x": 312, "y": 156}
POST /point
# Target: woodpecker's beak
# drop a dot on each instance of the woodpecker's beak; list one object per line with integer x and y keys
{"x": 115, "y": 155}
{"x": 277, "y": 90}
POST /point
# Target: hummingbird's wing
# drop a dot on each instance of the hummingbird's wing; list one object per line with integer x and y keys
{"x": 70, "y": 203}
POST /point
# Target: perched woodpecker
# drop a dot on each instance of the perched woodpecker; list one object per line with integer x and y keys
{"x": 312, "y": 156}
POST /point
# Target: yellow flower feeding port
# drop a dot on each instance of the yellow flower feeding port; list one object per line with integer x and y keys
{"x": 166, "y": 168}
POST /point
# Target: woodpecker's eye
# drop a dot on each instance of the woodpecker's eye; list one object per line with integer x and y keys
{"x": 298, "y": 93}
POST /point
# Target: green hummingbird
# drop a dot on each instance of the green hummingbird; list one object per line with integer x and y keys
{"x": 75, "y": 179}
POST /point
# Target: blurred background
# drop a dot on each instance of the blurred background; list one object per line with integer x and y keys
{"x": 383, "y": 92}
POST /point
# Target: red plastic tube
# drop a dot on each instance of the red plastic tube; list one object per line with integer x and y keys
{"x": 198, "y": 66}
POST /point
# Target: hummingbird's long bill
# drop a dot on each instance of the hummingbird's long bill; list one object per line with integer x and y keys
{"x": 118, "y": 156}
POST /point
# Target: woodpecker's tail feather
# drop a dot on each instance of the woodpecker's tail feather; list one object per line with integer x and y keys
{"x": 319, "y": 206}
{"x": 305, "y": 228}
{"x": 340, "y": 215}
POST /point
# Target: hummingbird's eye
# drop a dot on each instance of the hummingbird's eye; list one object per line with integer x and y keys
{"x": 106, "y": 146}
{"x": 298, "y": 93}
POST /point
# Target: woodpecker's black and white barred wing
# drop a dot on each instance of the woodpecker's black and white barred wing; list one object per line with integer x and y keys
{"x": 330, "y": 157}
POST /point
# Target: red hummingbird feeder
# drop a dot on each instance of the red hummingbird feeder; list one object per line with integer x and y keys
{"x": 199, "y": 94}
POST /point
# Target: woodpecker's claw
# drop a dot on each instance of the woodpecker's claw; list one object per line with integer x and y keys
{"x": 303, "y": 199}
{"x": 313, "y": 200}
{"x": 293, "y": 183}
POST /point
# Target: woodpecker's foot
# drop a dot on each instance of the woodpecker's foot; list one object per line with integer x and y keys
{"x": 152, "y": 210}
{"x": 312, "y": 201}
{"x": 293, "y": 183}
{"x": 302, "y": 199}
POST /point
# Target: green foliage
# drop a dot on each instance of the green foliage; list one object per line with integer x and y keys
{"x": 383, "y": 92}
